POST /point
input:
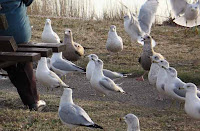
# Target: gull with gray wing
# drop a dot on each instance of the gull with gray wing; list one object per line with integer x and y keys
{"x": 137, "y": 28}
{"x": 73, "y": 115}
{"x": 91, "y": 65}
{"x": 47, "y": 77}
{"x": 102, "y": 83}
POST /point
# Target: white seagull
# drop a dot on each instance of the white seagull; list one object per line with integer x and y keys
{"x": 173, "y": 84}
{"x": 161, "y": 77}
{"x": 186, "y": 14}
{"x": 91, "y": 65}
{"x": 153, "y": 72}
{"x": 114, "y": 42}
{"x": 138, "y": 27}
{"x": 133, "y": 122}
{"x": 48, "y": 35}
{"x": 73, "y": 115}
{"x": 192, "y": 101}
{"x": 102, "y": 83}
{"x": 47, "y": 77}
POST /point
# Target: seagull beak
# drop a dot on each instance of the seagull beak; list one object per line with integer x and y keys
{"x": 181, "y": 88}
{"x": 121, "y": 119}
{"x": 153, "y": 61}
{"x": 93, "y": 59}
{"x": 164, "y": 67}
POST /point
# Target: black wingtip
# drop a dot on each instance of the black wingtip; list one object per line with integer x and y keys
{"x": 95, "y": 126}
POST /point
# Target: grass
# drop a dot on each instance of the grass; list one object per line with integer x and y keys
{"x": 178, "y": 47}
{"x": 13, "y": 116}
{"x": 180, "y": 50}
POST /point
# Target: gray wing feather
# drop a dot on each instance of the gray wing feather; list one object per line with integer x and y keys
{"x": 181, "y": 93}
{"x": 63, "y": 65}
{"x": 75, "y": 115}
{"x": 135, "y": 27}
{"x": 147, "y": 15}
{"x": 108, "y": 84}
{"x": 112, "y": 75}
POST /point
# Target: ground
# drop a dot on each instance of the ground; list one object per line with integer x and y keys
{"x": 178, "y": 47}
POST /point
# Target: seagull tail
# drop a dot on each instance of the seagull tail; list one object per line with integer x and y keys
{"x": 121, "y": 90}
{"x": 94, "y": 126}
{"x": 81, "y": 69}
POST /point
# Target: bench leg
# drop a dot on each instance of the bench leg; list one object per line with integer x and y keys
{"x": 23, "y": 78}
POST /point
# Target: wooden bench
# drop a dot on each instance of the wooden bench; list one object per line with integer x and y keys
{"x": 11, "y": 53}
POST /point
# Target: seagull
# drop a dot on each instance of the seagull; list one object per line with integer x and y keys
{"x": 152, "y": 75}
{"x": 46, "y": 76}
{"x": 102, "y": 83}
{"x": 73, "y": 115}
{"x": 192, "y": 101}
{"x": 144, "y": 59}
{"x": 137, "y": 28}
{"x": 186, "y": 14}
{"x": 62, "y": 66}
{"x": 73, "y": 51}
{"x": 91, "y": 65}
{"x": 114, "y": 42}
{"x": 133, "y": 122}
{"x": 147, "y": 15}
{"x": 48, "y": 35}
{"x": 173, "y": 83}
{"x": 161, "y": 77}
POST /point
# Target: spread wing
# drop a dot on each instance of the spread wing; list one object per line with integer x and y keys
{"x": 147, "y": 15}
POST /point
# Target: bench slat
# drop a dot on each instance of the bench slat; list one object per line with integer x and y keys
{"x": 4, "y": 64}
{"x": 45, "y": 52}
{"x": 55, "y": 46}
{"x": 7, "y": 44}
{"x": 19, "y": 56}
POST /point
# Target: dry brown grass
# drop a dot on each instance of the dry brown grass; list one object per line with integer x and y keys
{"x": 13, "y": 116}
{"x": 179, "y": 48}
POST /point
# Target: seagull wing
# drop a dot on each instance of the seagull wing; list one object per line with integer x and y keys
{"x": 66, "y": 66}
{"x": 75, "y": 115}
{"x": 147, "y": 15}
{"x": 108, "y": 84}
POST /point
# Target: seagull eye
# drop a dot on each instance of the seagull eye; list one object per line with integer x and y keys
{"x": 148, "y": 37}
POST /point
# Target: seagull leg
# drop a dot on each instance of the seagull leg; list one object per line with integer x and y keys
{"x": 160, "y": 97}
{"x": 141, "y": 78}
